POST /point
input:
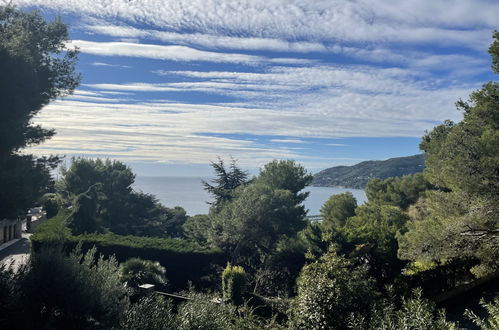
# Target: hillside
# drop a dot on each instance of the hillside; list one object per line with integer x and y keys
{"x": 356, "y": 176}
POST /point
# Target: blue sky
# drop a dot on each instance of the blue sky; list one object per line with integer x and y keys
{"x": 170, "y": 85}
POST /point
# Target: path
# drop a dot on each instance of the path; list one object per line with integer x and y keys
{"x": 17, "y": 253}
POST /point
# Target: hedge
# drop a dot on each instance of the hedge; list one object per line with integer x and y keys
{"x": 184, "y": 261}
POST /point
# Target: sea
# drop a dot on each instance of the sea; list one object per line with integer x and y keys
{"x": 188, "y": 193}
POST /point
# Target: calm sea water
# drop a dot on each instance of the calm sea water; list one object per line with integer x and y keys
{"x": 188, "y": 192}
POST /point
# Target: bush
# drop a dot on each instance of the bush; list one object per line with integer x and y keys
{"x": 58, "y": 291}
{"x": 328, "y": 291}
{"x": 492, "y": 321}
{"x": 202, "y": 313}
{"x": 414, "y": 314}
{"x": 151, "y": 312}
{"x": 234, "y": 284}
{"x": 185, "y": 261}
{"x": 51, "y": 204}
{"x": 137, "y": 271}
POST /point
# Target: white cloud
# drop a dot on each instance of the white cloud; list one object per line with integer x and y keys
{"x": 295, "y": 141}
{"x": 453, "y": 22}
{"x": 167, "y": 131}
{"x": 160, "y": 52}
{"x": 210, "y": 41}
{"x": 399, "y": 94}
{"x": 110, "y": 65}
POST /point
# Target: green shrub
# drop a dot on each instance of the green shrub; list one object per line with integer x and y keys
{"x": 234, "y": 284}
{"x": 185, "y": 261}
{"x": 51, "y": 204}
{"x": 136, "y": 271}
{"x": 201, "y": 312}
{"x": 151, "y": 312}
{"x": 492, "y": 320}
{"x": 414, "y": 313}
{"x": 328, "y": 291}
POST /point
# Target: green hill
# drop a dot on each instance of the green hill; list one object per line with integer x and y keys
{"x": 356, "y": 176}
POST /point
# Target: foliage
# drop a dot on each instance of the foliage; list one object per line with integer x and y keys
{"x": 83, "y": 218}
{"x": 196, "y": 228}
{"x": 234, "y": 284}
{"x": 328, "y": 290}
{"x": 463, "y": 160}
{"x": 494, "y": 52}
{"x": 226, "y": 181}
{"x": 446, "y": 232}
{"x": 376, "y": 225}
{"x": 51, "y": 204}
{"x": 373, "y": 233}
{"x": 357, "y": 176}
{"x": 249, "y": 227}
{"x": 185, "y": 261}
{"x": 150, "y": 312}
{"x": 102, "y": 198}
{"x": 113, "y": 179}
{"x": 77, "y": 291}
{"x": 36, "y": 68}
{"x": 277, "y": 275}
{"x": 492, "y": 320}
{"x": 415, "y": 313}
{"x": 202, "y": 313}
{"x": 337, "y": 209}
{"x": 136, "y": 271}
{"x": 286, "y": 175}
{"x": 315, "y": 240}
{"x": 24, "y": 179}
{"x": 398, "y": 191}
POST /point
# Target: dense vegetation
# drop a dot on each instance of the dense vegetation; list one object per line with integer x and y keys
{"x": 357, "y": 176}
{"x": 35, "y": 70}
{"x": 254, "y": 261}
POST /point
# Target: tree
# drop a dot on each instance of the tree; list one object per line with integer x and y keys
{"x": 397, "y": 191}
{"x": 197, "y": 227}
{"x": 329, "y": 289}
{"x": 36, "y": 69}
{"x": 371, "y": 235}
{"x": 24, "y": 179}
{"x": 84, "y": 218}
{"x": 286, "y": 175}
{"x": 250, "y": 226}
{"x": 114, "y": 177}
{"x": 261, "y": 214}
{"x": 462, "y": 220}
{"x": 102, "y": 197}
{"x": 226, "y": 181}
{"x": 51, "y": 204}
{"x": 337, "y": 209}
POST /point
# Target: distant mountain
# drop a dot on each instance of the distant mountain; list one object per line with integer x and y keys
{"x": 356, "y": 176}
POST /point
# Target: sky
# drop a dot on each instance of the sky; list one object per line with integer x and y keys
{"x": 169, "y": 86}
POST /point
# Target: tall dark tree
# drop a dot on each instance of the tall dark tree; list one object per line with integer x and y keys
{"x": 462, "y": 220}
{"x": 261, "y": 214}
{"x": 226, "y": 181}
{"x": 35, "y": 69}
{"x": 337, "y": 209}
